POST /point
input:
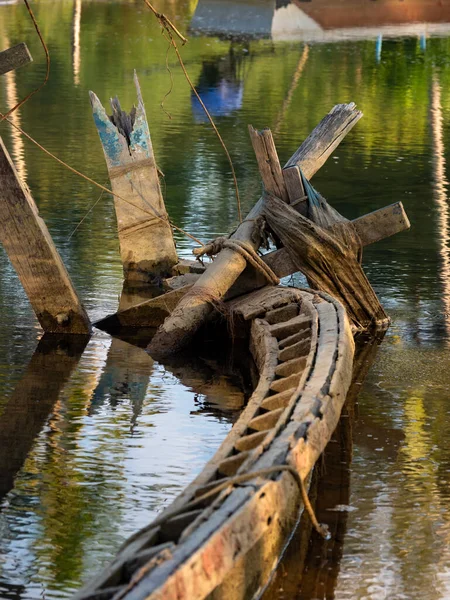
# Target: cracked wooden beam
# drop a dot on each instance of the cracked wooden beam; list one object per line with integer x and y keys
{"x": 146, "y": 242}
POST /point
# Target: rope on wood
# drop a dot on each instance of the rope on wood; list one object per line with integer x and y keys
{"x": 244, "y": 249}
{"x": 326, "y": 249}
{"x": 321, "y": 528}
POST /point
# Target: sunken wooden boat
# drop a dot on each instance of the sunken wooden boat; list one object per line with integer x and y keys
{"x": 224, "y": 535}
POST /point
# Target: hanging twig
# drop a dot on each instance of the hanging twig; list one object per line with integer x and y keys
{"x": 47, "y": 72}
{"x": 169, "y": 27}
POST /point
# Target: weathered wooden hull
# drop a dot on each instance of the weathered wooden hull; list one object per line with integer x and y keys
{"x": 227, "y": 546}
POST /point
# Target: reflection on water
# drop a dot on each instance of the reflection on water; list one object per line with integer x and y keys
{"x": 221, "y": 86}
{"x": 12, "y": 98}
{"x": 96, "y": 455}
{"x": 321, "y": 20}
{"x": 441, "y": 187}
{"x": 116, "y": 436}
{"x": 311, "y": 565}
{"x": 76, "y": 44}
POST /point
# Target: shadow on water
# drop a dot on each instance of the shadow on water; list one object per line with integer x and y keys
{"x": 33, "y": 399}
{"x": 310, "y": 566}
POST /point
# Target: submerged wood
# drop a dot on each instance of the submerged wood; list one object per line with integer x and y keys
{"x": 14, "y": 57}
{"x": 226, "y": 546}
{"x": 329, "y": 263}
{"x": 145, "y": 235}
{"x": 35, "y": 258}
{"x": 195, "y": 306}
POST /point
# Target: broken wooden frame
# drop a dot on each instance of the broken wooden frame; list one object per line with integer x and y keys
{"x": 286, "y": 184}
{"x": 195, "y": 306}
{"x": 151, "y": 312}
{"x": 324, "y": 246}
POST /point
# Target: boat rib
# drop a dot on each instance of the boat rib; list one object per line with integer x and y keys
{"x": 227, "y": 546}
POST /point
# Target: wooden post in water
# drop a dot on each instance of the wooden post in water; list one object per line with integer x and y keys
{"x": 34, "y": 256}
{"x": 145, "y": 235}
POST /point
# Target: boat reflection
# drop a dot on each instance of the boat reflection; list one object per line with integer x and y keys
{"x": 321, "y": 20}
{"x": 221, "y": 86}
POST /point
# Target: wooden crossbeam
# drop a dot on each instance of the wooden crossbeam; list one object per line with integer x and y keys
{"x": 14, "y": 58}
{"x": 306, "y": 245}
{"x": 287, "y": 184}
{"x": 371, "y": 228}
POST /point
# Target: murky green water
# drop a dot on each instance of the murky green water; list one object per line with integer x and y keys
{"x": 94, "y": 442}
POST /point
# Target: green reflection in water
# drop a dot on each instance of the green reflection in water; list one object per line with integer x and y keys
{"x": 87, "y": 481}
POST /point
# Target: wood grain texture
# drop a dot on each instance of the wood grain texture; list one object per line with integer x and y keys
{"x": 268, "y": 162}
{"x": 33, "y": 254}
{"x": 328, "y": 262}
{"x": 145, "y": 235}
{"x": 371, "y": 228}
{"x": 14, "y": 57}
{"x": 381, "y": 223}
{"x": 325, "y": 138}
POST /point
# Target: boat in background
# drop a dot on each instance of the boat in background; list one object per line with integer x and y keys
{"x": 321, "y": 20}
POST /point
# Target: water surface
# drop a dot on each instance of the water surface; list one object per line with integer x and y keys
{"x": 108, "y": 436}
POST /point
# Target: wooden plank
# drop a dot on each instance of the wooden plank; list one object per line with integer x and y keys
{"x": 14, "y": 58}
{"x": 268, "y": 162}
{"x": 145, "y": 235}
{"x": 371, "y": 228}
{"x": 193, "y": 309}
{"x": 150, "y": 313}
{"x": 295, "y": 189}
{"x": 325, "y": 138}
{"x": 33, "y": 254}
{"x": 381, "y": 223}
